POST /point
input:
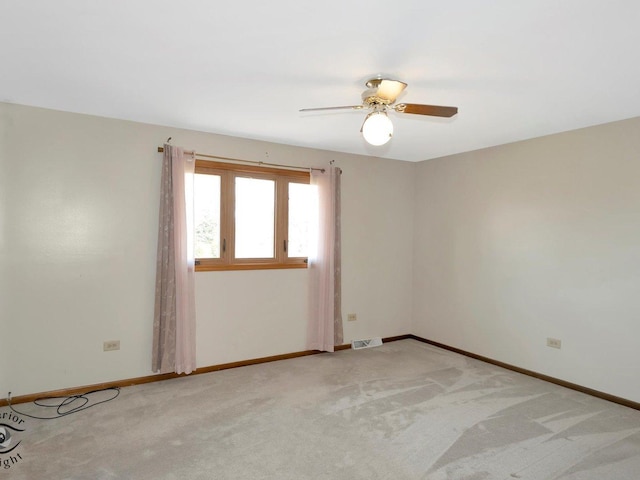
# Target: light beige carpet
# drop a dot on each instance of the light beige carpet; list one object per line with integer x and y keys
{"x": 405, "y": 410}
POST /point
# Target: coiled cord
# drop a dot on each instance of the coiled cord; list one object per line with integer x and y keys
{"x": 67, "y": 405}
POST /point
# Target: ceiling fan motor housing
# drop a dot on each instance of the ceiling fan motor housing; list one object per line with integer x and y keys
{"x": 382, "y": 92}
{"x": 371, "y": 100}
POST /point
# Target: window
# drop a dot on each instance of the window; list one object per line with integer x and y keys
{"x": 249, "y": 217}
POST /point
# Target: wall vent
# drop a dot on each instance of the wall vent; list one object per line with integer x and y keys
{"x": 372, "y": 342}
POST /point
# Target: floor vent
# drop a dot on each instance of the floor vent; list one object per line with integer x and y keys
{"x": 372, "y": 342}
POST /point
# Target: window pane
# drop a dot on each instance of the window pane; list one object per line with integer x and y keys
{"x": 255, "y": 218}
{"x": 300, "y": 204}
{"x": 207, "y": 215}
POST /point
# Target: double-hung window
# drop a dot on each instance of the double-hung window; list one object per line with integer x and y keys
{"x": 250, "y": 217}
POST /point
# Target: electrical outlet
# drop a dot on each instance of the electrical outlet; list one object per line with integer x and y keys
{"x": 111, "y": 345}
{"x": 554, "y": 343}
{"x": 352, "y": 317}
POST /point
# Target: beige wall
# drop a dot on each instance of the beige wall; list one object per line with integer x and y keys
{"x": 536, "y": 239}
{"x": 79, "y": 217}
{"x": 491, "y": 251}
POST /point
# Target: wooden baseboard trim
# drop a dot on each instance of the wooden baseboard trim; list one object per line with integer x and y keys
{"x": 66, "y": 392}
{"x": 589, "y": 391}
{"x": 243, "y": 363}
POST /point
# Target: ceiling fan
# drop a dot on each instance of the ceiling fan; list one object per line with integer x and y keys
{"x": 379, "y": 98}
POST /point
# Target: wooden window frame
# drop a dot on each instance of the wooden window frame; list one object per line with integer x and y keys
{"x": 228, "y": 172}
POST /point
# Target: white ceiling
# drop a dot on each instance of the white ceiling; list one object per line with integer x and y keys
{"x": 516, "y": 69}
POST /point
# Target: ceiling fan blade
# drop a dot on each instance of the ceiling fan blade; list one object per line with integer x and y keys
{"x": 348, "y": 107}
{"x": 390, "y": 89}
{"x": 432, "y": 110}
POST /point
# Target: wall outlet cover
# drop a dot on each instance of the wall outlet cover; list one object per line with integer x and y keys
{"x": 554, "y": 343}
{"x": 111, "y": 345}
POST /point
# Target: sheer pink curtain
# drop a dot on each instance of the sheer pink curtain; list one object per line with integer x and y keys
{"x": 174, "y": 318}
{"x": 325, "y": 293}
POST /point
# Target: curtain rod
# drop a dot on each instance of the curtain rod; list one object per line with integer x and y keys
{"x": 229, "y": 159}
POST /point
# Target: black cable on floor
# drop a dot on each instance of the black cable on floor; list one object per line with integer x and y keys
{"x": 65, "y": 405}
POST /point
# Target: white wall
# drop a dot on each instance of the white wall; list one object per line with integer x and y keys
{"x": 512, "y": 245}
{"x": 536, "y": 239}
{"x": 78, "y": 235}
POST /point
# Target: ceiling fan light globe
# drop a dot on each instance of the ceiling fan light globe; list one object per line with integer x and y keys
{"x": 377, "y": 129}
